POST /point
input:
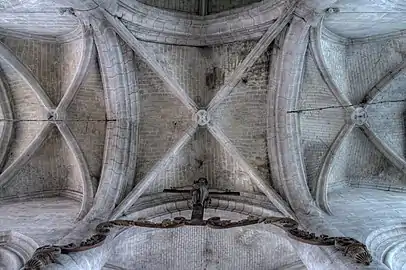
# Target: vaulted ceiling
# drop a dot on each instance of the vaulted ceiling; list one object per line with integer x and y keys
{"x": 89, "y": 107}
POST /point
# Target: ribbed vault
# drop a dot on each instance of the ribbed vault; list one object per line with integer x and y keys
{"x": 294, "y": 106}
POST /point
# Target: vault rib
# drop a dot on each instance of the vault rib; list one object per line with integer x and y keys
{"x": 136, "y": 45}
{"x": 315, "y": 42}
{"x": 325, "y": 171}
{"x": 8, "y": 56}
{"x": 26, "y": 155}
{"x": 252, "y": 57}
{"x": 74, "y": 147}
{"x": 272, "y": 195}
{"x": 144, "y": 183}
{"x": 87, "y": 52}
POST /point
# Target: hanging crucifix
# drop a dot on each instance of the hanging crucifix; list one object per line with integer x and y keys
{"x": 201, "y": 199}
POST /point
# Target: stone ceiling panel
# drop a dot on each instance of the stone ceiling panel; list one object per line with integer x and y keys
{"x": 363, "y": 18}
{"x": 52, "y": 64}
{"x": 163, "y": 119}
{"x": 45, "y": 220}
{"x": 203, "y": 248}
{"x": 367, "y": 63}
{"x": 24, "y": 102}
{"x": 321, "y": 119}
{"x": 86, "y": 117}
{"x": 387, "y": 116}
{"x": 243, "y": 114}
{"x": 49, "y": 23}
{"x": 362, "y": 165}
{"x": 46, "y": 174}
{"x": 189, "y": 66}
{"x": 23, "y": 134}
{"x": 204, "y": 157}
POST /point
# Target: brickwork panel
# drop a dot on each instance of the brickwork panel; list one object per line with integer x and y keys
{"x": 360, "y": 211}
{"x": 43, "y": 60}
{"x": 50, "y": 168}
{"x": 318, "y": 128}
{"x": 190, "y": 66}
{"x": 336, "y": 63}
{"x": 227, "y": 57}
{"x": 367, "y": 63}
{"x": 45, "y": 220}
{"x": 204, "y": 157}
{"x": 243, "y": 116}
{"x": 87, "y": 118}
{"x": 204, "y": 248}
{"x": 23, "y": 133}
{"x": 359, "y": 163}
{"x": 388, "y": 116}
{"x": 163, "y": 119}
{"x": 25, "y": 104}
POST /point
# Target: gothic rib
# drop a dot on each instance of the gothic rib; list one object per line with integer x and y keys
{"x": 252, "y": 57}
{"x": 74, "y": 147}
{"x": 274, "y": 197}
{"x": 8, "y": 56}
{"x": 137, "y": 191}
{"x": 391, "y": 155}
{"x": 315, "y": 42}
{"x": 87, "y": 52}
{"x": 322, "y": 181}
{"x": 383, "y": 83}
{"x": 7, "y": 115}
{"x": 172, "y": 84}
{"x": 121, "y": 134}
{"x": 282, "y": 134}
{"x": 26, "y": 155}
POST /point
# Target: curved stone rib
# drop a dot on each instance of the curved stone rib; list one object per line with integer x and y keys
{"x": 274, "y": 197}
{"x": 153, "y": 173}
{"x": 383, "y": 83}
{"x": 391, "y": 155}
{"x": 8, "y": 56}
{"x": 7, "y": 130}
{"x": 252, "y": 57}
{"x": 322, "y": 182}
{"x": 70, "y": 139}
{"x": 315, "y": 42}
{"x": 87, "y": 52}
{"x": 134, "y": 44}
{"x": 25, "y": 156}
{"x": 153, "y": 24}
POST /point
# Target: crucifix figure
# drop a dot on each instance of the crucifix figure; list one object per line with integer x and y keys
{"x": 201, "y": 199}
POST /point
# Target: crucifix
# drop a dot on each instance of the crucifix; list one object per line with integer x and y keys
{"x": 201, "y": 199}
